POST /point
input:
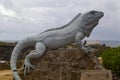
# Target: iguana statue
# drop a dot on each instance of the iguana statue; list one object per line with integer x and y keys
{"x": 80, "y": 27}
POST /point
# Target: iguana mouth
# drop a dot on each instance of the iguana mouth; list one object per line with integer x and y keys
{"x": 90, "y": 23}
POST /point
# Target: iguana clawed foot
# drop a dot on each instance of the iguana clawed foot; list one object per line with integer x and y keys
{"x": 28, "y": 66}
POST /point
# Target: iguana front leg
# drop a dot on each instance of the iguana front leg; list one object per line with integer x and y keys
{"x": 40, "y": 49}
{"x": 78, "y": 40}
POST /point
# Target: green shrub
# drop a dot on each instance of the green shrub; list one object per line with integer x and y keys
{"x": 111, "y": 59}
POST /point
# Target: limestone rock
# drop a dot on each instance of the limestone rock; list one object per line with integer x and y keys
{"x": 62, "y": 64}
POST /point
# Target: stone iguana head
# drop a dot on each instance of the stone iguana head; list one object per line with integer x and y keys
{"x": 90, "y": 20}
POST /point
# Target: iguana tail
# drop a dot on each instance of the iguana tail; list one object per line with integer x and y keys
{"x": 16, "y": 52}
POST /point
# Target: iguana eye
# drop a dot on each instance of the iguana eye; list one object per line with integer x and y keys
{"x": 92, "y": 12}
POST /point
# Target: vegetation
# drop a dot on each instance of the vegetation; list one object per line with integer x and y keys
{"x": 7, "y": 44}
{"x": 111, "y": 59}
{"x": 3, "y": 43}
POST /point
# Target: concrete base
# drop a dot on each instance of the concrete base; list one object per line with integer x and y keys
{"x": 96, "y": 75}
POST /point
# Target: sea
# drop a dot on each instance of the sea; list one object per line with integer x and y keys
{"x": 111, "y": 43}
{"x": 106, "y": 42}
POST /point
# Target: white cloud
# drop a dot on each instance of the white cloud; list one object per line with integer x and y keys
{"x": 7, "y": 12}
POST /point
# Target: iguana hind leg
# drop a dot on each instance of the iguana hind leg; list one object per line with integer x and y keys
{"x": 40, "y": 49}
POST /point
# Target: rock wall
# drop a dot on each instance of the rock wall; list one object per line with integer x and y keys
{"x": 62, "y": 64}
{"x": 5, "y": 52}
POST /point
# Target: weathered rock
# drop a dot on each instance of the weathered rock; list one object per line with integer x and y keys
{"x": 62, "y": 64}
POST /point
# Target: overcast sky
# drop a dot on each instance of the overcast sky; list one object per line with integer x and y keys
{"x": 22, "y": 18}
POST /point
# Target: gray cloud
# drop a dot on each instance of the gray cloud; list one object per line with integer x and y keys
{"x": 35, "y": 16}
